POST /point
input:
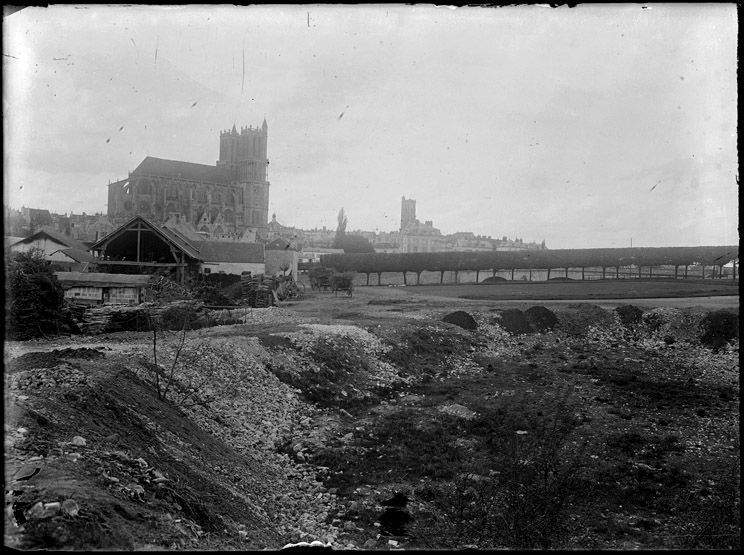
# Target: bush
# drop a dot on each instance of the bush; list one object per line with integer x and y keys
{"x": 34, "y": 297}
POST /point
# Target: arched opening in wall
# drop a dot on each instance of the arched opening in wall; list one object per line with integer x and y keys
{"x": 219, "y": 231}
{"x": 217, "y": 198}
{"x": 213, "y": 214}
{"x": 171, "y": 192}
{"x": 230, "y": 200}
{"x": 229, "y": 216}
{"x": 157, "y": 209}
{"x": 144, "y": 187}
{"x": 204, "y": 229}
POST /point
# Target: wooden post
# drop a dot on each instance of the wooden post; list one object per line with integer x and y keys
{"x": 404, "y": 279}
{"x": 734, "y": 274}
{"x": 582, "y": 273}
{"x": 720, "y": 271}
{"x": 703, "y": 274}
{"x": 603, "y": 272}
{"x": 379, "y": 278}
{"x": 686, "y": 271}
{"x": 139, "y": 230}
{"x": 512, "y": 274}
{"x": 368, "y": 278}
{"x": 530, "y": 274}
{"x": 494, "y": 272}
{"x": 566, "y": 271}
{"x": 418, "y": 278}
{"x": 617, "y": 272}
{"x": 477, "y": 275}
{"x": 548, "y": 274}
{"x": 676, "y": 267}
{"x": 456, "y": 274}
{"x": 639, "y": 271}
{"x": 441, "y": 277}
{"x": 650, "y": 271}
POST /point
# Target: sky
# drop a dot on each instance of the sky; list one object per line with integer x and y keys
{"x": 585, "y": 127}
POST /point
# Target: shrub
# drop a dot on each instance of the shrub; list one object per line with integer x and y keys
{"x": 34, "y": 297}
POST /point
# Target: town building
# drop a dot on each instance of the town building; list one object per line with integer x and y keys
{"x": 227, "y": 201}
{"x": 65, "y": 253}
{"x": 281, "y": 257}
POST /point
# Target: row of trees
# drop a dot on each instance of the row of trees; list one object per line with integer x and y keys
{"x": 377, "y": 263}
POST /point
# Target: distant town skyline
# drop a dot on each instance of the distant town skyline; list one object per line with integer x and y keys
{"x": 583, "y": 127}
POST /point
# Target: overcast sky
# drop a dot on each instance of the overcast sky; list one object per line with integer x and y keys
{"x": 585, "y": 127}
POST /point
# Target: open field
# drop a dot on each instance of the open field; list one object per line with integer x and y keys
{"x": 369, "y": 422}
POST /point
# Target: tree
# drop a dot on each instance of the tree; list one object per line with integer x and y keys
{"x": 354, "y": 244}
{"x": 34, "y": 297}
{"x": 340, "y": 230}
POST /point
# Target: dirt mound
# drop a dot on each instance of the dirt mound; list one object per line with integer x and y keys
{"x": 462, "y": 319}
{"x": 540, "y": 318}
{"x": 514, "y": 321}
{"x": 82, "y": 352}
{"x": 576, "y": 319}
{"x": 494, "y": 279}
{"x": 718, "y": 328}
{"x": 629, "y": 315}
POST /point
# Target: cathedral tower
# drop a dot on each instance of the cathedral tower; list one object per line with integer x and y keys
{"x": 244, "y": 155}
{"x": 407, "y": 212}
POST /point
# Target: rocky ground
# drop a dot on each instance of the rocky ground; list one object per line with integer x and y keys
{"x": 381, "y": 422}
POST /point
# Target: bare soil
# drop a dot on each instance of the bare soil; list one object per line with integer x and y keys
{"x": 598, "y": 432}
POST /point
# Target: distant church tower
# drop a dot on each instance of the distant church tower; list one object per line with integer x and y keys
{"x": 244, "y": 154}
{"x": 407, "y": 212}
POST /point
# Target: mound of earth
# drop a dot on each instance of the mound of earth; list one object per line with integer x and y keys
{"x": 577, "y": 318}
{"x": 462, "y": 319}
{"x": 541, "y": 318}
{"x": 718, "y": 328}
{"x": 629, "y": 315}
{"x": 514, "y": 321}
{"x": 494, "y": 279}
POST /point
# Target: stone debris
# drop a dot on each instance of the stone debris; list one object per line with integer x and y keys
{"x": 41, "y": 510}
{"x": 78, "y": 441}
{"x": 70, "y": 507}
{"x": 458, "y": 410}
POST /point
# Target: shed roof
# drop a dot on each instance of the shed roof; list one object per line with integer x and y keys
{"x": 182, "y": 170}
{"x": 168, "y": 235}
{"x": 90, "y": 279}
{"x": 56, "y": 236}
{"x": 78, "y": 255}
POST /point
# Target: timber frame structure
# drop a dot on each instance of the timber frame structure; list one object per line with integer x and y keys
{"x": 140, "y": 246}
